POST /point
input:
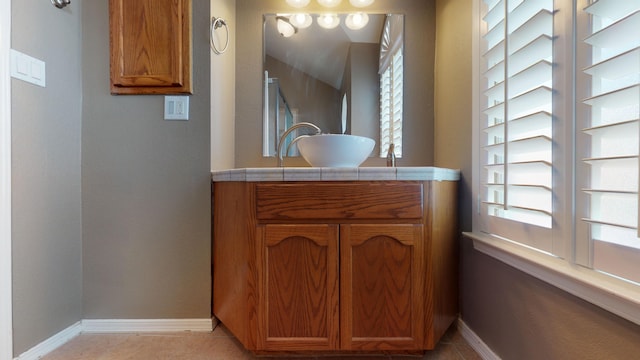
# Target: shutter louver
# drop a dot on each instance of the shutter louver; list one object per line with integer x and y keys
{"x": 398, "y": 85}
{"x": 391, "y": 105}
{"x": 517, "y": 110}
{"x": 385, "y": 111}
{"x": 612, "y": 134}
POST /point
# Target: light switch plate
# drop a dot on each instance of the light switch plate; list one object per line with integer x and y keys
{"x": 27, "y": 68}
{"x": 176, "y": 108}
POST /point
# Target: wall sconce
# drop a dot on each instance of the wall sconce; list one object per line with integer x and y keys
{"x": 301, "y": 20}
{"x": 298, "y": 3}
{"x": 329, "y": 3}
{"x": 328, "y": 21}
{"x": 356, "y": 21}
{"x": 285, "y": 28}
{"x": 361, "y": 3}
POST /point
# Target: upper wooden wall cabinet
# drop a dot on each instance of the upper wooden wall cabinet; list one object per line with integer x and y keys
{"x": 150, "y": 46}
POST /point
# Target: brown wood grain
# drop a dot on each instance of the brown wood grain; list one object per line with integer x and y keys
{"x": 150, "y": 42}
{"x": 442, "y": 257}
{"x": 341, "y": 200}
{"x": 234, "y": 269}
{"x": 286, "y": 280}
{"x": 299, "y": 287}
{"x": 381, "y": 287}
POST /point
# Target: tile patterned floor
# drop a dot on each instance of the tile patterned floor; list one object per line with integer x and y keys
{"x": 219, "y": 345}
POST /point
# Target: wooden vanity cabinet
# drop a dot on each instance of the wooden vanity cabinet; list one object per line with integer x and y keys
{"x": 335, "y": 266}
{"x": 298, "y": 291}
{"x": 150, "y": 43}
{"x": 381, "y": 286}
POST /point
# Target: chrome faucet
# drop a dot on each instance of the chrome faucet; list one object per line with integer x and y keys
{"x": 289, "y": 131}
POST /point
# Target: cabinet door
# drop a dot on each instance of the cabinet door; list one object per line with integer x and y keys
{"x": 381, "y": 287}
{"x": 150, "y": 46}
{"x": 298, "y": 294}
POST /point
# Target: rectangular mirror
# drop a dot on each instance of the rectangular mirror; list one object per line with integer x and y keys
{"x": 344, "y": 74}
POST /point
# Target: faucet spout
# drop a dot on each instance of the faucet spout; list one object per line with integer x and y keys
{"x": 289, "y": 131}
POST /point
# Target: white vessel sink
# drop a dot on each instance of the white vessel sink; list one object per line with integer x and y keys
{"x": 335, "y": 150}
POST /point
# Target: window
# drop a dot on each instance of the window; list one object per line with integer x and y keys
{"x": 391, "y": 106}
{"x": 608, "y": 131}
{"x": 558, "y": 140}
{"x": 516, "y": 120}
{"x": 391, "y": 72}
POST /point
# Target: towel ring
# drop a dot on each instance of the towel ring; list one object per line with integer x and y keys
{"x": 60, "y": 4}
{"x": 217, "y": 23}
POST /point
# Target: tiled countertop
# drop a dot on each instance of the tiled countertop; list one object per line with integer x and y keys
{"x": 337, "y": 174}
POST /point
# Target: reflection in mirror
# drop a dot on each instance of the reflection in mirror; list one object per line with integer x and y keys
{"x": 343, "y": 80}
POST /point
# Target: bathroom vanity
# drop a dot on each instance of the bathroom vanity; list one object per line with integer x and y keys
{"x": 329, "y": 260}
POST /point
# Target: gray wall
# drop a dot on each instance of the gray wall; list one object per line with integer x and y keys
{"x": 46, "y": 209}
{"x": 521, "y": 317}
{"x": 314, "y": 100}
{"x": 516, "y": 315}
{"x": 419, "y": 54}
{"x": 364, "y": 92}
{"x": 136, "y": 244}
{"x": 146, "y": 215}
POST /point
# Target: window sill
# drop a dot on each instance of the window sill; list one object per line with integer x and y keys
{"x": 611, "y": 294}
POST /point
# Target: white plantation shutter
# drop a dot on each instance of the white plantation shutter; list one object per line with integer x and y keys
{"x": 391, "y": 70}
{"x": 516, "y": 194}
{"x": 391, "y": 94}
{"x": 397, "y": 95}
{"x": 558, "y": 144}
{"x": 385, "y": 111}
{"x": 608, "y": 130}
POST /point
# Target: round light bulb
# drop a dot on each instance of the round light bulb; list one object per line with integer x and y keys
{"x": 361, "y": 3}
{"x": 328, "y": 21}
{"x": 284, "y": 27}
{"x": 301, "y": 20}
{"x": 329, "y": 3}
{"x": 357, "y": 21}
{"x": 298, "y": 3}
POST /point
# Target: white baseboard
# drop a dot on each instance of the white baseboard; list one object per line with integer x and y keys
{"x": 116, "y": 326}
{"x": 145, "y": 325}
{"x": 174, "y": 325}
{"x": 475, "y": 342}
{"x": 52, "y": 343}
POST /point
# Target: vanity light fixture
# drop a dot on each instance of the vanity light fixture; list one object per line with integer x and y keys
{"x": 361, "y": 3}
{"x": 329, "y": 3}
{"x": 300, "y": 20}
{"x": 298, "y": 3}
{"x": 356, "y": 21}
{"x": 285, "y": 28}
{"x": 328, "y": 21}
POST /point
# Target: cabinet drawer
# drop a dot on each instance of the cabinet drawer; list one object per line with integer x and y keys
{"x": 353, "y": 200}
